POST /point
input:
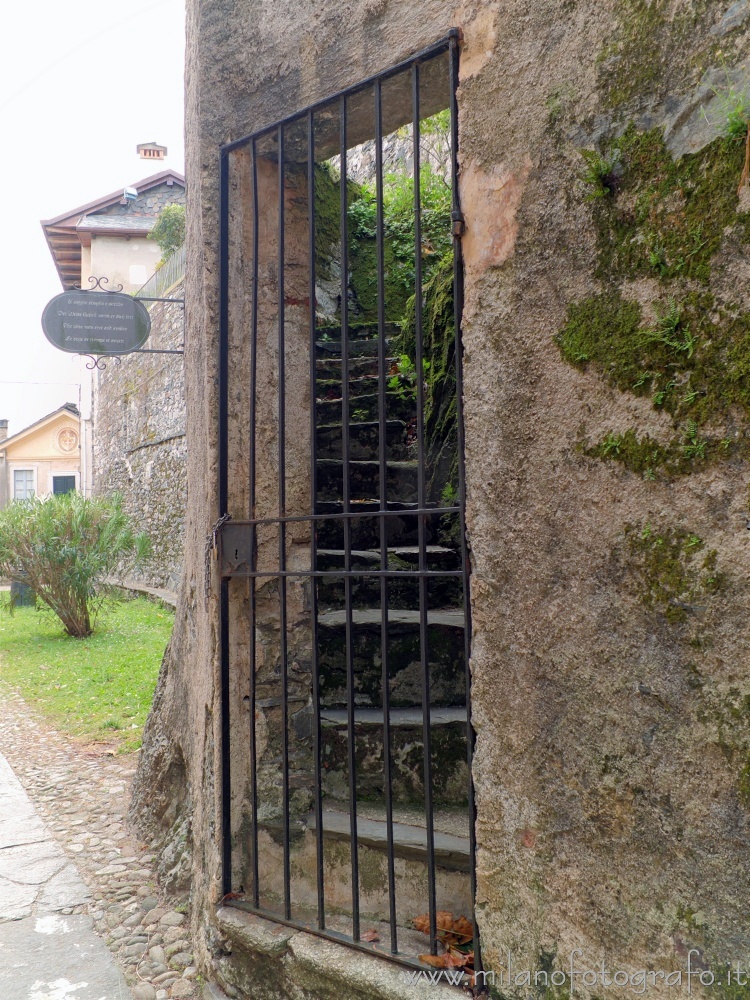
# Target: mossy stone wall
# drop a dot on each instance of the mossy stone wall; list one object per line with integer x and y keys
{"x": 610, "y": 670}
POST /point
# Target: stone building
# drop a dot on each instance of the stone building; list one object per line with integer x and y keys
{"x": 137, "y": 443}
{"x": 602, "y": 263}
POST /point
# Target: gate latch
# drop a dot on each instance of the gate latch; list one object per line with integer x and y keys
{"x": 212, "y": 545}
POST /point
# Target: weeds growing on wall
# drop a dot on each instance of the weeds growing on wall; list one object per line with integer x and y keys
{"x": 399, "y": 252}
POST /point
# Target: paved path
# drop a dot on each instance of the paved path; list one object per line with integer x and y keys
{"x": 45, "y": 955}
{"x": 67, "y": 857}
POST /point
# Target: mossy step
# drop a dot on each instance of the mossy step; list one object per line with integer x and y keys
{"x": 365, "y": 403}
{"x": 358, "y": 385}
{"x": 357, "y": 331}
{"x": 445, "y": 654}
{"x": 407, "y": 718}
{"x": 400, "y": 557}
{"x": 364, "y": 479}
{"x": 402, "y": 528}
{"x": 450, "y": 617}
{"x": 447, "y": 744}
{"x": 403, "y": 592}
{"x": 364, "y": 440}
{"x": 408, "y": 841}
{"x": 356, "y": 348}
{"x": 331, "y": 367}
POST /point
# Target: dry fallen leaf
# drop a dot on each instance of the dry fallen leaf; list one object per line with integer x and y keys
{"x": 436, "y": 961}
{"x": 370, "y": 936}
{"x": 462, "y": 928}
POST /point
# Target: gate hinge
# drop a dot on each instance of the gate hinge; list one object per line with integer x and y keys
{"x": 459, "y": 223}
{"x": 212, "y": 545}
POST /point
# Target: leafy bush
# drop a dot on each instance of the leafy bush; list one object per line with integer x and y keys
{"x": 65, "y": 547}
{"x": 169, "y": 231}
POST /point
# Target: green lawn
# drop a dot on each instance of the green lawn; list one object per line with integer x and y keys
{"x": 94, "y": 690}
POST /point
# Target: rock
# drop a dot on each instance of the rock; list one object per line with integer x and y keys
{"x": 144, "y": 992}
{"x": 182, "y": 960}
{"x": 735, "y": 16}
{"x": 182, "y": 988}
{"x": 149, "y": 903}
{"x": 172, "y": 919}
{"x": 176, "y": 947}
{"x": 133, "y": 950}
{"x": 172, "y": 934}
{"x": 156, "y": 954}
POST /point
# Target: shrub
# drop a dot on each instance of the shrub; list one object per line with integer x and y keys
{"x": 169, "y": 231}
{"x": 65, "y": 547}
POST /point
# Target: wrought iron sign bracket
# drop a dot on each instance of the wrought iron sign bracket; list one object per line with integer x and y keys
{"x": 97, "y": 361}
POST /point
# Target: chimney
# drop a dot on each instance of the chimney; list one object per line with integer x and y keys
{"x": 151, "y": 151}
{"x": 3, "y": 429}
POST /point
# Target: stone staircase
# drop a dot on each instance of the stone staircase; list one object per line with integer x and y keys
{"x": 445, "y": 625}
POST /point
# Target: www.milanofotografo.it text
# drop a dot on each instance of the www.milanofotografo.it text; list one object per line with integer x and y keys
{"x": 692, "y": 978}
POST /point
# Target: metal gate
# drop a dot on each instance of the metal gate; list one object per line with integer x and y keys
{"x": 344, "y": 629}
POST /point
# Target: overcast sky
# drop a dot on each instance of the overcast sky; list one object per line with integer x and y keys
{"x": 82, "y": 83}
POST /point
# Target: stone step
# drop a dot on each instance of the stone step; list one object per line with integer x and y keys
{"x": 400, "y": 557}
{"x": 364, "y": 404}
{"x": 327, "y": 389}
{"x": 364, "y": 440}
{"x": 449, "y": 618}
{"x": 401, "y": 718}
{"x": 330, "y": 367}
{"x": 445, "y": 655}
{"x": 358, "y": 348}
{"x": 403, "y": 592}
{"x": 448, "y": 753}
{"x": 408, "y": 841}
{"x": 364, "y": 480}
{"x": 358, "y": 331}
{"x": 401, "y": 528}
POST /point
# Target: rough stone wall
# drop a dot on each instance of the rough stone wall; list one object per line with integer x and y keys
{"x": 140, "y": 445}
{"x": 610, "y": 635}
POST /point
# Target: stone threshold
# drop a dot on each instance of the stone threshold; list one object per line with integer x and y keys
{"x": 268, "y": 960}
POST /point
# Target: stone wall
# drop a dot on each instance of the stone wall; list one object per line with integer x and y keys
{"x": 140, "y": 446}
{"x": 605, "y": 326}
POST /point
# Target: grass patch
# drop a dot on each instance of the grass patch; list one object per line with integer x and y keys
{"x": 93, "y": 690}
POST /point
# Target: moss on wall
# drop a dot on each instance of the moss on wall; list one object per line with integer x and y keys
{"x": 687, "y": 351}
{"x": 649, "y": 37}
{"x": 664, "y": 218}
{"x": 671, "y": 569}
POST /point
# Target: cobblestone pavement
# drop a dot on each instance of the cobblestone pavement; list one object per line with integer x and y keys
{"x": 82, "y": 798}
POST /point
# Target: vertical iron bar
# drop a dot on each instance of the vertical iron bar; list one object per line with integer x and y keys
{"x": 347, "y": 523}
{"x": 383, "y": 456}
{"x": 422, "y": 526}
{"x": 254, "y": 541}
{"x": 313, "y": 528}
{"x": 458, "y": 295}
{"x": 282, "y": 538}
{"x": 226, "y": 788}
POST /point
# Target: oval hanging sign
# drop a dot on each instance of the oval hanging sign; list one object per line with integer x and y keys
{"x": 106, "y": 323}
